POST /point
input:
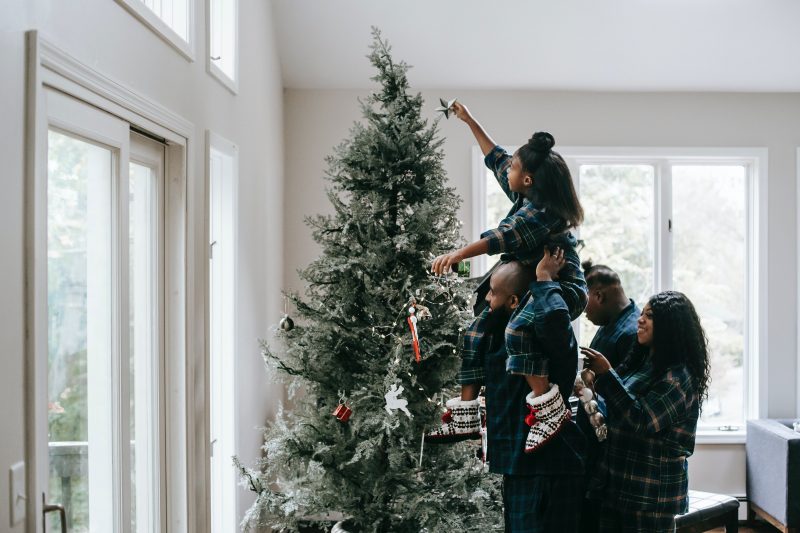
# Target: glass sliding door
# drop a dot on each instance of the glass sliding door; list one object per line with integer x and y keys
{"x": 104, "y": 301}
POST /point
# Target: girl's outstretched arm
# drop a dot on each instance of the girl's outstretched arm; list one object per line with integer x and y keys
{"x": 441, "y": 265}
{"x": 484, "y": 141}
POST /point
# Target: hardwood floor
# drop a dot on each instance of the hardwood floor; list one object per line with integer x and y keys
{"x": 751, "y": 528}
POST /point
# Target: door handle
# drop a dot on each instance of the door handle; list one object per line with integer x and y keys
{"x": 49, "y": 508}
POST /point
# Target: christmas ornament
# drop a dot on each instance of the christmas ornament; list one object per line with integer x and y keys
{"x": 484, "y": 431}
{"x": 461, "y": 269}
{"x": 584, "y": 381}
{"x": 416, "y": 312}
{"x": 394, "y": 402}
{"x": 343, "y": 410}
{"x": 286, "y": 323}
{"x": 412, "y": 325}
{"x": 446, "y": 107}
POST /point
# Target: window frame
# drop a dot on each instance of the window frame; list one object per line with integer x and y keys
{"x": 662, "y": 159}
{"x": 227, "y": 307}
{"x": 185, "y": 47}
{"x": 232, "y": 84}
{"x": 184, "y": 441}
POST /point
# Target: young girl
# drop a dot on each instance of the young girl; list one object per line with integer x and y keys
{"x": 653, "y": 400}
{"x": 546, "y": 207}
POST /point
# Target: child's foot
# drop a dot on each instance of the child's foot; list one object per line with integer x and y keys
{"x": 461, "y": 421}
{"x": 547, "y": 416}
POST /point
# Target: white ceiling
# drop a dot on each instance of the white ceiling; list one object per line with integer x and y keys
{"x": 650, "y": 45}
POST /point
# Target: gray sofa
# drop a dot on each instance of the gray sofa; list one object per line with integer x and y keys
{"x": 773, "y": 472}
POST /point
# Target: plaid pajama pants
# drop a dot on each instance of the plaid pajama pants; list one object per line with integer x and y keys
{"x": 612, "y": 520}
{"x": 542, "y": 504}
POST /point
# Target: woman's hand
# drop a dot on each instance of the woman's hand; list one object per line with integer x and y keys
{"x": 441, "y": 265}
{"x": 597, "y": 362}
{"x": 461, "y": 111}
{"x": 550, "y": 265}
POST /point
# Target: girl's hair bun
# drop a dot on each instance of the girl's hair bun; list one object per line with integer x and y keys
{"x": 542, "y": 142}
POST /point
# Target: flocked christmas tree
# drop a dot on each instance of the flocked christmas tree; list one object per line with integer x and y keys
{"x": 353, "y": 344}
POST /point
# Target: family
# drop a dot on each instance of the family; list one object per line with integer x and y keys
{"x": 621, "y": 464}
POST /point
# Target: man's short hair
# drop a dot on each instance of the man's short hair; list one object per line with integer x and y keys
{"x": 599, "y": 275}
{"x": 515, "y": 277}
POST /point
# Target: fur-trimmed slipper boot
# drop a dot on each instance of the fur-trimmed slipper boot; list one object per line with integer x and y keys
{"x": 548, "y": 414}
{"x": 461, "y": 421}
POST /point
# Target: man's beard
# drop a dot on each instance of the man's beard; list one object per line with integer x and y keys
{"x": 497, "y": 319}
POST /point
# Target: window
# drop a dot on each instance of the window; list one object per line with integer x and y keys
{"x": 172, "y": 20}
{"x": 688, "y": 220}
{"x": 223, "y": 42}
{"x": 104, "y": 318}
{"x": 114, "y": 405}
{"x": 223, "y": 176}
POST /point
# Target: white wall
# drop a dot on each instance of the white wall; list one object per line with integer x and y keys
{"x": 318, "y": 120}
{"x": 104, "y": 36}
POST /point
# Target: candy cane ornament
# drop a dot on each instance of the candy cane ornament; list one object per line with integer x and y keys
{"x": 412, "y": 325}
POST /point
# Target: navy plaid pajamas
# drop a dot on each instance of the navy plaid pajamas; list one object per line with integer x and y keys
{"x": 652, "y": 422}
{"x": 542, "y": 504}
{"x": 612, "y": 520}
{"x": 522, "y": 236}
{"x": 542, "y": 491}
{"x": 614, "y": 341}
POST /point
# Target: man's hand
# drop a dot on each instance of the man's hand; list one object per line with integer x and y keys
{"x": 441, "y": 265}
{"x": 549, "y": 266}
{"x": 597, "y": 362}
{"x": 461, "y": 111}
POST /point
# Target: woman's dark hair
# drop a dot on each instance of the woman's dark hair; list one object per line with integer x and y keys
{"x": 679, "y": 339}
{"x": 552, "y": 184}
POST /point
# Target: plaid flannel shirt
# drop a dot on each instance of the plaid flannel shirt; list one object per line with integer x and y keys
{"x": 505, "y": 395}
{"x": 526, "y": 355}
{"x": 526, "y": 228}
{"x": 652, "y": 422}
{"x": 614, "y": 341}
{"x": 522, "y": 235}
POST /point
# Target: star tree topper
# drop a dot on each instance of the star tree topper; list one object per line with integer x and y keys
{"x": 446, "y": 107}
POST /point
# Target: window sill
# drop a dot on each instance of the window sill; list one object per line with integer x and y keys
{"x": 218, "y": 74}
{"x": 711, "y": 436}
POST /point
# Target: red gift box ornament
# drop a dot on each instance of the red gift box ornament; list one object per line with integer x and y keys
{"x": 344, "y": 416}
{"x": 342, "y": 411}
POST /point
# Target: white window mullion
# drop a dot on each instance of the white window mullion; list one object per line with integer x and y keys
{"x": 663, "y": 227}
{"x": 146, "y": 376}
{"x": 757, "y": 247}
{"x": 223, "y": 177}
{"x": 479, "y": 172}
{"x": 120, "y": 358}
{"x": 100, "y": 347}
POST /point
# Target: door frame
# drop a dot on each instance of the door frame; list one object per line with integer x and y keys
{"x": 186, "y": 254}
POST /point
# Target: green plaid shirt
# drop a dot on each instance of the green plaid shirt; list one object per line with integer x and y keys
{"x": 652, "y": 422}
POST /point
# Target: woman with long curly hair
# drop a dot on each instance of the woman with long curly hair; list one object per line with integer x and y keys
{"x": 653, "y": 402}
